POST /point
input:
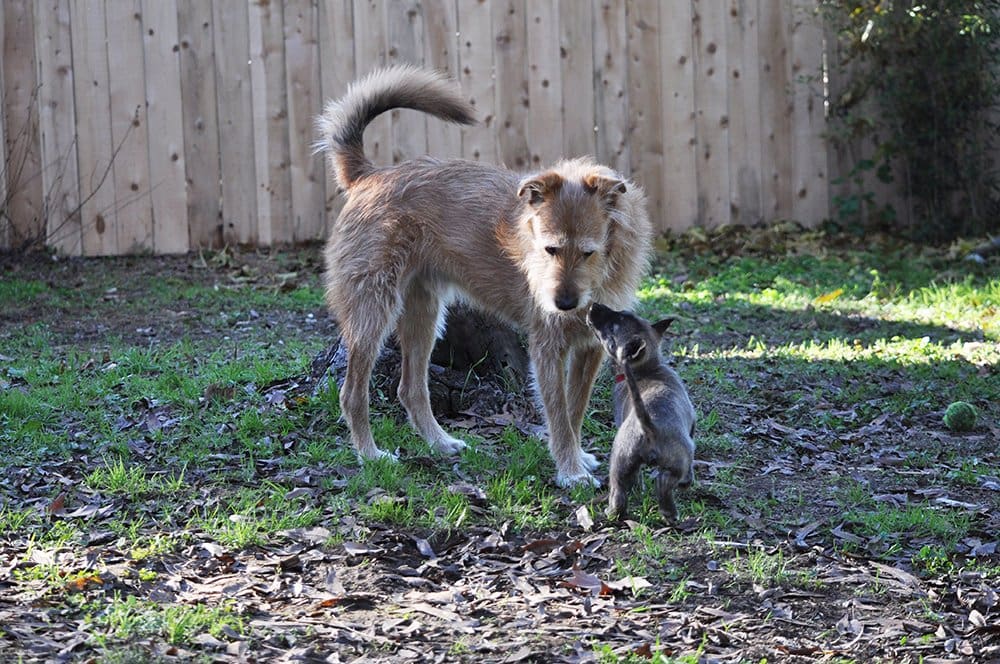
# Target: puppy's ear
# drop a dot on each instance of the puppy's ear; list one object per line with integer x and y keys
{"x": 607, "y": 188}
{"x": 661, "y": 326}
{"x": 632, "y": 350}
{"x": 537, "y": 188}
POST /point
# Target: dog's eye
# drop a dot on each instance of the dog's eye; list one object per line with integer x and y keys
{"x": 552, "y": 251}
{"x": 588, "y": 254}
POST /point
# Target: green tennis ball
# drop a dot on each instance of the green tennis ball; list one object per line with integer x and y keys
{"x": 960, "y": 416}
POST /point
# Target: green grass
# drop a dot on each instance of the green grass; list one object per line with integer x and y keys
{"x": 759, "y": 567}
{"x": 127, "y": 619}
{"x": 819, "y": 376}
{"x": 252, "y": 516}
{"x": 891, "y": 523}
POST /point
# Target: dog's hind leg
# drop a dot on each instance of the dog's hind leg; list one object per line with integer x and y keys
{"x": 584, "y": 364}
{"x": 363, "y": 330}
{"x": 354, "y": 398}
{"x": 416, "y": 332}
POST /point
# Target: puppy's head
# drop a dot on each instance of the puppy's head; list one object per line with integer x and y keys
{"x": 568, "y": 216}
{"x": 627, "y": 338}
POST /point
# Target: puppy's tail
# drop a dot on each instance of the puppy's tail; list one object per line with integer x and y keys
{"x": 648, "y": 427}
{"x": 342, "y": 124}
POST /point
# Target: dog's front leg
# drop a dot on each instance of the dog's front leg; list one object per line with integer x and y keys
{"x": 584, "y": 364}
{"x": 550, "y": 375}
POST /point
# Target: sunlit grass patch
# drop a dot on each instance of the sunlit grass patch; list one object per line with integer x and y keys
{"x": 251, "y": 516}
{"x": 129, "y": 618}
{"x": 758, "y": 566}
{"x": 888, "y": 522}
{"x": 14, "y": 520}
{"x": 521, "y": 500}
{"x": 134, "y": 480}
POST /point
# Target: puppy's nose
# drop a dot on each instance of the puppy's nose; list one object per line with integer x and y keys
{"x": 566, "y": 302}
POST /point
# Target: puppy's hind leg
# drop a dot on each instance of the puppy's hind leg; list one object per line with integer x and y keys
{"x": 621, "y": 476}
{"x": 416, "y": 332}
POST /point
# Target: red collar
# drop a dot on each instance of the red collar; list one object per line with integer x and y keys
{"x": 619, "y": 377}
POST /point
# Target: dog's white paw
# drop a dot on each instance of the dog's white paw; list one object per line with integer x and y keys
{"x": 589, "y": 461}
{"x": 582, "y": 478}
{"x": 449, "y": 446}
{"x": 374, "y": 454}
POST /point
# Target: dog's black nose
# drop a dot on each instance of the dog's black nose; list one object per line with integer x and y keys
{"x": 566, "y": 302}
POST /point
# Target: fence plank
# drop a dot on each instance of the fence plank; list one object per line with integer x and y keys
{"x": 714, "y": 107}
{"x": 679, "y": 187}
{"x": 304, "y": 103}
{"x": 645, "y": 84}
{"x": 511, "y": 84}
{"x": 611, "y": 83}
{"x": 168, "y": 188}
{"x": 133, "y": 205}
{"x": 775, "y": 112}
{"x": 712, "y": 118}
{"x": 544, "y": 84}
{"x": 336, "y": 52}
{"x": 271, "y": 115}
{"x": 371, "y": 51}
{"x": 444, "y": 139}
{"x": 475, "y": 54}
{"x": 231, "y": 29}
{"x": 93, "y": 130}
{"x": 576, "y": 54}
{"x": 405, "y": 32}
{"x": 201, "y": 136}
{"x": 57, "y": 122}
{"x": 744, "y": 116}
{"x": 5, "y": 231}
{"x": 20, "y": 108}
{"x": 811, "y": 201}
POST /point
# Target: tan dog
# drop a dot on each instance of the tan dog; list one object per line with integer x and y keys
{"x": 533, "y": 249}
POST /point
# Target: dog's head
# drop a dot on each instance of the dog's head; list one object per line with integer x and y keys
{"x": 568, "y": 217}
{"x": 624, "y": 336}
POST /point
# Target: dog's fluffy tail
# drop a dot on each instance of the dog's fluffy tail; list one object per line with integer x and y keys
{"x": 342, "y": 124}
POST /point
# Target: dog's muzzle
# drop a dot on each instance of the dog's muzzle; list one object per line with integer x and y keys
{"x": 566, "y": 301}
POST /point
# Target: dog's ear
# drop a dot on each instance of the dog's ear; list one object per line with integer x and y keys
{"x": 661, "y": 326}
{"x": 537, "y": 188}
{"x": 607, "y": 188}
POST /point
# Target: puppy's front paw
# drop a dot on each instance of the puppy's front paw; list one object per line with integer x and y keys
{"x": 580, "y": 478}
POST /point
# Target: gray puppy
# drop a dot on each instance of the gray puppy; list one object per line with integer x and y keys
{"x": 653, "y": 412}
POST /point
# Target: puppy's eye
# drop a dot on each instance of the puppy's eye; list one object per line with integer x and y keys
{"x": 552, "y": 251}
{"x": 588, "y": 254}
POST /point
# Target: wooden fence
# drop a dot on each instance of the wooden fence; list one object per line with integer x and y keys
{"x": 166, "y": 125}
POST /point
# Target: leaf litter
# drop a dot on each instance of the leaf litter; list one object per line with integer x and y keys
{"x": 347, "y": 589}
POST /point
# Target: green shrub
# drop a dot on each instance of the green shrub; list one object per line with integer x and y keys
{"x": 922, "y": 88}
